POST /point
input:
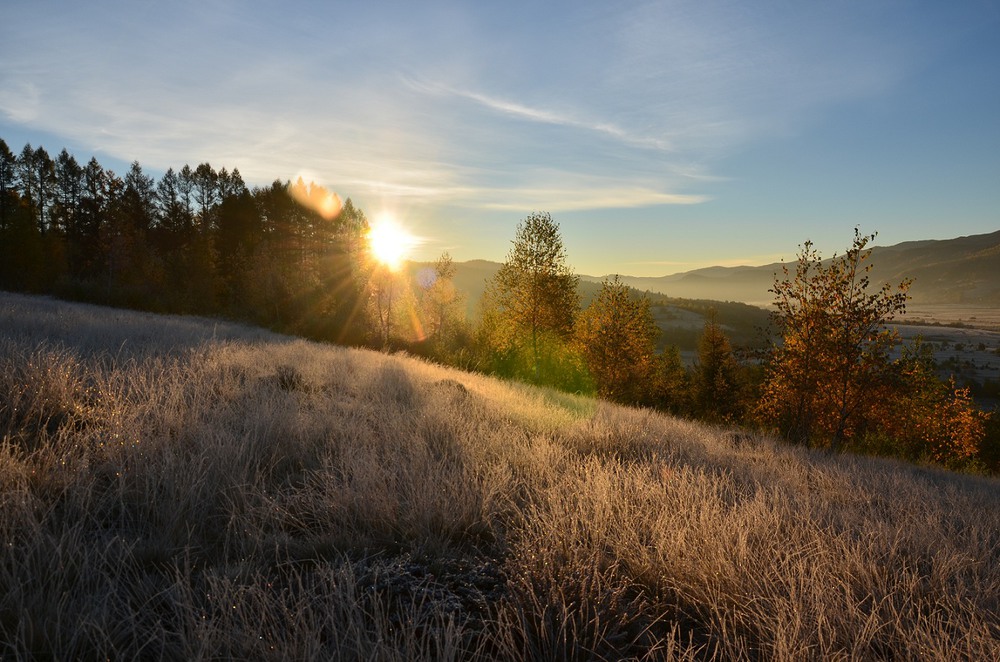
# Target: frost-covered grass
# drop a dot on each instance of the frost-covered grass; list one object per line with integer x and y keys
{"x": 176, "y": 488}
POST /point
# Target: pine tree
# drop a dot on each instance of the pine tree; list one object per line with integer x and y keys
{"x": 617, "y": 337}
{"x": 717, "y": 389}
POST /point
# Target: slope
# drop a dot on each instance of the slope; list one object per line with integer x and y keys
{"x": 179, "y": 488}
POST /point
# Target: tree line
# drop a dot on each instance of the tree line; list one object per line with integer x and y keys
{"x": 293, "y": 256}
{"x": 196, "y": 241}
{"x": 833, "y": 373}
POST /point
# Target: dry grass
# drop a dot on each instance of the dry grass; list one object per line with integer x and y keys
{"x": 173, "y": 488}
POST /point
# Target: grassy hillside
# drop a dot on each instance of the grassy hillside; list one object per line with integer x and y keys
{"x": 175, "y": 488}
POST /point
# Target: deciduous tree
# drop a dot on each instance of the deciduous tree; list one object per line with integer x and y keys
{"x": 835, "y": 349}
{"x": 441, "y": 301}
{"x": 922, "y": 417}
{"x": 532, "y": 301}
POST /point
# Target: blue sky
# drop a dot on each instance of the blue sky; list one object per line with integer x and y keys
{"x": 661, "y": 136}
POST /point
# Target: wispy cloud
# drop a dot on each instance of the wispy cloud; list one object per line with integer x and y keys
{"x": 19, "y": 101}
{"x": 541, "y": 115}
{"x": 573, "y": 199}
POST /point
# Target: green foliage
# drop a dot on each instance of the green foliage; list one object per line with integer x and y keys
{"x": 530, "y": 306}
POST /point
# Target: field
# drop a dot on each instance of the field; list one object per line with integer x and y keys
{"x": 180, "y": 488}
{"x": 980, "y": 317}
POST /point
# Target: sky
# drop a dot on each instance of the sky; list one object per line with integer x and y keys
{"x": 661, "y": 136}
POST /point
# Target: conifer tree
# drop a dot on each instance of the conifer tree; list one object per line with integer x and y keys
{"x": 617, "y": 337}
{"x": 717, "y": 388}
{"x": 8, "y": 190}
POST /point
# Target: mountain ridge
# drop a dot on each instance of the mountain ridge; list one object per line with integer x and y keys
{"x": 963, "y": 270}
{"x": 945, "y": 271}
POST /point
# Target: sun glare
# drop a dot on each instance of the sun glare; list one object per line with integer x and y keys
{"x": 389, "y": 241}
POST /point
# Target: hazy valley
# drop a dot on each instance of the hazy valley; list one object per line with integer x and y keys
{"x": 948, "y": 273}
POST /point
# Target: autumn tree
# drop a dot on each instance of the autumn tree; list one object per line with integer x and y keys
{"x": 617, "y": 337}
{"x": 440, "y": 300}
{"x": 531, "y": 303}
{"x": 835, "y": 346}
{"x": 920, "y": 416}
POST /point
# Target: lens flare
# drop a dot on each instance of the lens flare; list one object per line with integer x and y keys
{"x": 313, "y": 196}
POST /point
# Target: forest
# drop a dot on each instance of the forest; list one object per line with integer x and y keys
{"x": 293, "y": 257}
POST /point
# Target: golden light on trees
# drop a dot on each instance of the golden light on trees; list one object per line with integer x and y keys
{"x": 836, "y": 346}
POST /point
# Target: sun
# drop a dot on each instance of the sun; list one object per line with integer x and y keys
{"x": 389, "y": 241}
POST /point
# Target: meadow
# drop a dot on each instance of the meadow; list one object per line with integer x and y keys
{"x": 183, "y": 488}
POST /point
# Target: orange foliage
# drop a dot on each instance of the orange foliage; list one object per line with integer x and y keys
{"x": 933, "y": 419}
{"x": 835, "y": 345}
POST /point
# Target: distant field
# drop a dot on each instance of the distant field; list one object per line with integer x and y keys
{"x": 971, "y": 355}
{"x": 978, "y": 317}
{"x": 179, "y": 488}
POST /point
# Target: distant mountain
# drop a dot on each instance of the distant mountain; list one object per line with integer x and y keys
{"x": 965, "y": 270}
{"x": 745, "y": 284}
